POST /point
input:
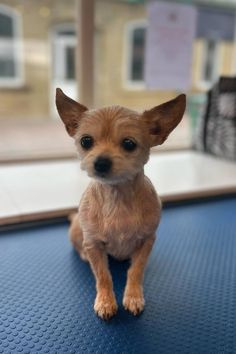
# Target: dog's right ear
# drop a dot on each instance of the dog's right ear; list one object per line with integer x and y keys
{"x": 70, "y": 111}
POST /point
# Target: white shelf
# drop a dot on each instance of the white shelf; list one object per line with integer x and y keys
{"x": 48, "y": 189}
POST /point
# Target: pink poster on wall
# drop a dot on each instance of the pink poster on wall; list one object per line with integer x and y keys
{"x": 169, "y": 46}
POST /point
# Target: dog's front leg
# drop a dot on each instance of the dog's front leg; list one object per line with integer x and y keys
{"x": 133, "y": 299}
{"x": 105, "y": 303}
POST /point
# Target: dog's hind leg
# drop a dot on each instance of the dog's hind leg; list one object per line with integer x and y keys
{"x": 76, "y": 236}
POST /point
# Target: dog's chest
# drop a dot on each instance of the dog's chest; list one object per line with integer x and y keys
{"x": 123, "y": 228}
{"x": 120, "y": 219}
{"x": 122, "y": 245}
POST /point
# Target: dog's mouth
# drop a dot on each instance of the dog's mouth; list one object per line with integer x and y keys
{"x": 101, "y": 175}
{"x": 111, "y": 178}
{"x": 105, "y": 177}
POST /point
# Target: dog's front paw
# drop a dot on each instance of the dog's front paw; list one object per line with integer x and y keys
{"x": 134, "y": 302}
{"x": 105, "y": 306}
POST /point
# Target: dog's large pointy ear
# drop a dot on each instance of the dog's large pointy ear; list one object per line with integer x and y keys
{"x": 162, "y": 119}
{"x": 70, "y": 111}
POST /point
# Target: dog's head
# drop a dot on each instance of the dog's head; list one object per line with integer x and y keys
{"x": 114, "y": 142}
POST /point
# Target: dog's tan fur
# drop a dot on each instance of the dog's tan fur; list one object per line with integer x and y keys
{"x": 118, "y": 213}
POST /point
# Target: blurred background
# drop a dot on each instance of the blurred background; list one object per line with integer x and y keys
{"x": 39, "y": 50}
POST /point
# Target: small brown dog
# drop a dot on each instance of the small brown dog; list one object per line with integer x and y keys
{"x": 120, "y": 210}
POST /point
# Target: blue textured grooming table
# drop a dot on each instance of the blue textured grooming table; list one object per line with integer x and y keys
{"x": 47, "y": 292}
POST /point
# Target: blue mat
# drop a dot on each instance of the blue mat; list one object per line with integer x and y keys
{"x": 47, "y": 292}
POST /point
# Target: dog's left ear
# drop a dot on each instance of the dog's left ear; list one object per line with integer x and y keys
{"x": 162, "y": 119}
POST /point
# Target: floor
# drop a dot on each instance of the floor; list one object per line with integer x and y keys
{"x": 40, "y": 190}
{"x": 47, "y": 292}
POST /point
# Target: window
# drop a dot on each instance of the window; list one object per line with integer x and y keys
{"x": 64, "y": 53}
{"x": 45, "y": 52}
{"x": 135, "y": 37}
{"x": 64, "y": 43}
{"x": 210, "y": 62}
{"x": 10, "y": 48}
{"x": 63, "y": 63}
{"x": 41, "y": 56}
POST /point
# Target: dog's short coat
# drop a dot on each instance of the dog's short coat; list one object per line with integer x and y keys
{"x": 120, "y": 210}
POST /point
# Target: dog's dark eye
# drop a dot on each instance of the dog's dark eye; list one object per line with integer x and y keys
{"x": 128, "y": 144}
{"x": 86, "y": 142}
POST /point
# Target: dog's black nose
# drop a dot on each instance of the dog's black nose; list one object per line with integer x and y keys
{"x": 102, "y": 164}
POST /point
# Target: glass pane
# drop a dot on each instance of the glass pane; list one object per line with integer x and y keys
{"x": 66, "y": 32}
{"x": 7, "y": 68}
{"x": 6, "y": 26}
{"x": 210, "y": 58}
{"x": 7, "y": 59}
{"x": 70, "y": 63}
{"x": 45, "y": 59}
{"x": 139, "y": 35}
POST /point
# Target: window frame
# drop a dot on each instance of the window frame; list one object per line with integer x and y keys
{"x": 127, "y": 55}
{"x": 18, "y": 79}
